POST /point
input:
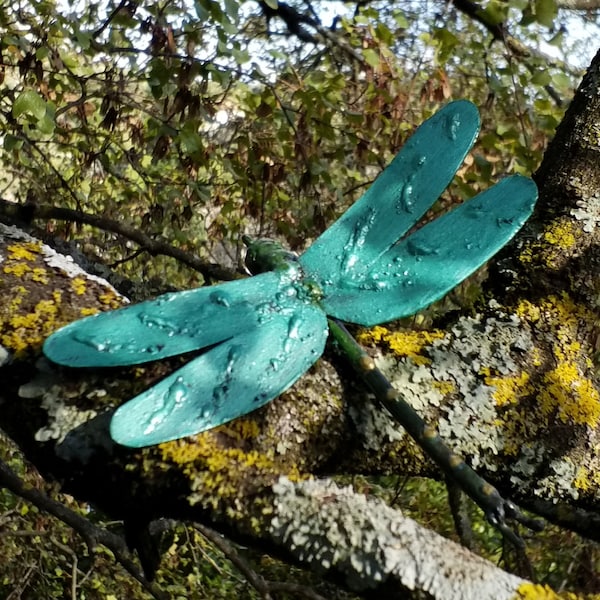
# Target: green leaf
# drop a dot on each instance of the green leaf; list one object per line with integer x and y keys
{"x": 29, "y": 102}
{"x": 274, "y": 4}
{"x": 401, "y": 20}
{"x": 446, "y": 42}
{"x": 562, "y": 81}
{"x": 495, "y": 12}
{"x": 201, "y": 11}
{"x": 541, "y": 78}
{"x": 232, "y": 8}
{"x": 371, "y": 56}
{"x": 12, "y": 142}
{"x": 191, "y": 142}
{"x": 545, "y": 12}
{"x": 84, "y": 39}
{"x": 46, "y": 125}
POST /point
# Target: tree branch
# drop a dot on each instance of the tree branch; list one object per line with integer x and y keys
{"x": 154, "y": 246}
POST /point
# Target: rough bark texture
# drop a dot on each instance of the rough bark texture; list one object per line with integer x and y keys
{"x": 516, "y": 388}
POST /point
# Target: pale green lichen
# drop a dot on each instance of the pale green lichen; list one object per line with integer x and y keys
{"x": 62, "y": 417}
{"x": 559, "y": 480}
{"x": 360, "y": 538}
{"x": 408, "y": 371}
{"x": 588, "y": 212}
{"x": 4, "y": 355}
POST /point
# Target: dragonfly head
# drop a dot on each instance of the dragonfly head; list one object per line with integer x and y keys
{"x": 265, "y": 255}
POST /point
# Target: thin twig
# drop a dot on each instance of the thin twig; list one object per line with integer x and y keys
{"x": 254, "y": 579}
{"x": 154, "y": 246}
{"x": 92, "y": 534}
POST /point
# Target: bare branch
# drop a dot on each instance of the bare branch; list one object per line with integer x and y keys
{"x": 154, "y": 246}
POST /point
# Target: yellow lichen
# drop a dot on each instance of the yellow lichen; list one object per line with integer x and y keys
{"x": 528, "y": 311}
{"x": 242, "y": 429}
{"x": 536, "y": 357}
{"x": 40, "y": 275}
{"x": 110, "y": 299}
{"x": 561, "y": 234}
{"x": 217, "y": 470}
{"x": 565, "y": 391}
{"x": 28, "y": 331}
{"x": 19, "y": 257}
{"x": 509, "y": 390}
{"x": 79, "y": 285}
{"x": 17, "y": 269}
{"x": 534, "y": 591}
{"x": 402, "y": 343}
{"x": 587, "y": 479}
{"x": 86, "y": 312}
{"x": 24, "y": 250}
{"x": 23, "y": 329}
{"x": 552, "y": 246}
{"x": 581, "y": 480}
{"x": 565, "y": 387}
{"x": 444, "y": 387}
{"x": 571, "y": 395}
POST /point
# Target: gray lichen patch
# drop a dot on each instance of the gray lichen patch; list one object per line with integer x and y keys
{"x": 62, "y": 417}
{"x": 335, "y": 529}
{"x": 476, "y": 348}
{"x": 77, "y": 419}
{"x": 451, "y": 390}
{"x": 588, "y": 212}
{"x": 374, "y": 424}
{"x": 561, "y": 473}
{"x": 11, "y": 232}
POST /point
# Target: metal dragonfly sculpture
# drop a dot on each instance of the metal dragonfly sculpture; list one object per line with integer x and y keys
{"x": 261, "y": 334}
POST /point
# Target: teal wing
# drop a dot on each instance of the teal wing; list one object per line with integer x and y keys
{"x": 427, "y": 264}
{"x": 397, "y": 199}
{"x": 169, "y": 325}
{"x": 230, "y": 380}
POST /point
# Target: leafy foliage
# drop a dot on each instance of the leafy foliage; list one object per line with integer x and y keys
{"x": 194, "y": 123}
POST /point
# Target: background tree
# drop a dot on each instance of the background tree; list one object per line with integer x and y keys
{"x": 169, "y": 129}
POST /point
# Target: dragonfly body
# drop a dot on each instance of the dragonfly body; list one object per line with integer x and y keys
{"x": 263, "y": 333}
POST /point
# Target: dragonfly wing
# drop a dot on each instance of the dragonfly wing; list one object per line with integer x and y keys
{"x": 230, "y": 380}
{"x": 430, "y": 262}
{"x": 168, "y": 325}
{"x": 396, "y": 200}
